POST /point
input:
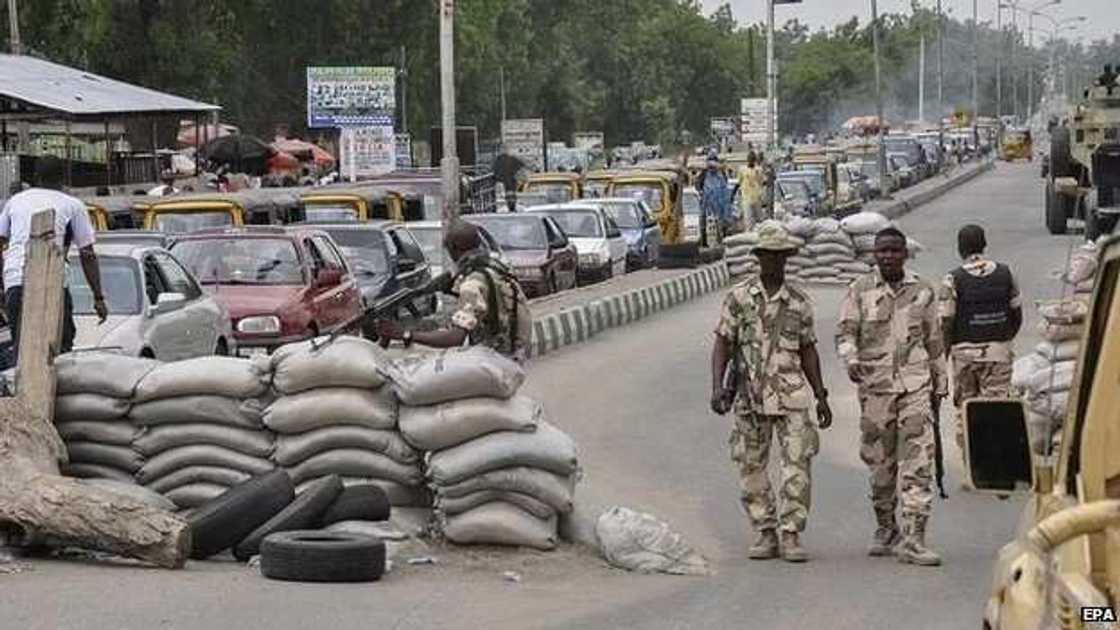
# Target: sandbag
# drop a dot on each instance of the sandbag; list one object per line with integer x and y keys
{"x": 1069, "y": 311}
{"x": 555, "y": 490}
{"x": 639, "y": 542}
{"x": 352, "y": 462}
{"x": 1082, "y": 265}
{"x": 826, "y": 225}
{"x": 856, "y": 268}
{"x": 738, "y": 252}
{"x": 332, "y": 406}
{"x": 742, "y": 270}
{"x": 399, "y": 495}
{"x": 156, "y": 440}
{"x": 816, "y": 250}
{"x": 96, "y": 471}
{"x": 294, "y": 449}
{"x": 204, "y": 376}
{"x": 801, "y": 226}
{"x": 865, "y": 222}
{"x": 133, "y": 491}
{"x": 455, "y": 374}
{"x": 547, "y": 448}
{"x": 199, "y": 409}
{"x": 1057, "y": 352}
{"x": 745, "y": 238}
{"x": 346, "y": 361}
{"x": 119, "y": 457}
{"x": 1025, "y": 368}
{"x": 438, "y": 427}
{"x": 820, "y": 272}
{"x": 501, "y": 524}
{"x": 458, "y": 505}
{"x": 1051, "y": 405}
{"x": 801, "y": 262}
{"x": 832, "y": 238}
{"x": 195, "y": 494}
{"x": 168, "y": 462}
{"x": 864, "y": 242}
{"x": 1058, "y": 333}
{"x": 835, "y": 260}
{"x": 104, "y": 373}
{"x": 198, "y": 474}
{"x": 1057, "y": 377}
{"x": 89, "y": 407}
{"x": 118, "y": 433}
{"x": 738, "y": 260}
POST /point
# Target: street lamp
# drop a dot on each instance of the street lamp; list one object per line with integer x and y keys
{"x": 1030, "y": 62}
{"x": 1015, "y": 7}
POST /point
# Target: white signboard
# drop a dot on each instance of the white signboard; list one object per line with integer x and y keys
{"x": 588, "y": 140}
{"x": 359, "y": 96}
{"x": 755, "y": 112}
{"x": 404, "y": 150}
{"x": 368, "y": 151}
{"x": 524, "y": 139}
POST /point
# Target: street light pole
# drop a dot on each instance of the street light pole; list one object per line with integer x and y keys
{"x": 449, "y": 165}
{"x": 975, "y": 74}
{"x": 13, "y": 28}
{"x": 999, "y": 60}
{"x": 879, "y": 97}
{"x": 940, "y": 71}
{"x": 771, "y": 79}
{"x": 1030, "y": 66}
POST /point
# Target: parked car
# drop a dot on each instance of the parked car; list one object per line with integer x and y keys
{"x": 156, "y": 307}
{"x": 818, "y": 188}
{"x": 279, "y": 285}
{"x": 541, "y": 255}
{"x": 149, "y": 238}
{"x": 602, "y": 250}
{"x": 907, "y": 174}
{"x": 385, "y": 257}
{"x": 909, "y": 147}
{"x": 430, "y": 236}
{"x": 793, "y": 198}
{"x": 639, "y": 229}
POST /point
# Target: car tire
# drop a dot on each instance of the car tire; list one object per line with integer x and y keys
{"x": 365, "y": 502}
{"x": 226, "y": 519}
{"x": 302, "y": 513}
{"x": 1056, "y": 215}
{"x": 321, "y": 556}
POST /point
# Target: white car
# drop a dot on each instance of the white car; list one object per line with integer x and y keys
{"x": 156, "y": 307}
{"x": 597, "y": 239}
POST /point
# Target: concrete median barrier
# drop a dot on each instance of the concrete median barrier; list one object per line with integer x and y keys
{"x": 906, "y": 201}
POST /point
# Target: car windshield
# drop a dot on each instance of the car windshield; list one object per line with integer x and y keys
{"x": 553, "y": 192}
{"x": 691, "y": 203}
{"x": 518, "y": 233}
{"x": 578, "y": 223}
{"x": 431, "y": 242}
{"x": 649, "y": 193}
{"x": 265, "y": 261}
{"x": 626, "y": 215}
{"x": 183, "y": 222}
{"x": 815, "y": 182}
{"x": 794, "y": 190}
{"x": 364, "y": 249}
{"x": 120, "y": 283}
{"x": 331, "y": 213}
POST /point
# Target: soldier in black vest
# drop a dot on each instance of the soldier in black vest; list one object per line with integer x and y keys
{"x": 981, "y": 312}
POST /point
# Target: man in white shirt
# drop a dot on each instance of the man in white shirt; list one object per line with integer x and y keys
{"x": 72, "y": 225}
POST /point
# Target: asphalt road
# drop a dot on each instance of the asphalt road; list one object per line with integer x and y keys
{"x": 635, "y": 399}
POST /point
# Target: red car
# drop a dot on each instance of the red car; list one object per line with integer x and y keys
{"x": 279, "y": 285}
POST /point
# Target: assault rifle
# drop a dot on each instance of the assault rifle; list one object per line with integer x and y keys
{"x": 389, "y": 307}
{"x": 938, "y": 449}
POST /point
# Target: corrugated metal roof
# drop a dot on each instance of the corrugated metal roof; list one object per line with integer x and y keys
{"x": 79, "y": 93}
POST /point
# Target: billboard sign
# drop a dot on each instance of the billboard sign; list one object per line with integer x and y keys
{"x": 524, "y": 139}
{"x": 755, "y": 112}
{"x": 368, "y": 151}
{"x": 356, "y": 96}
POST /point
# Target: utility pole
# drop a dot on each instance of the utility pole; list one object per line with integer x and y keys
{"x": 879, "y": 97}
{"x": 449, "y": 165}
{"x": 1030, "y": 66}
{"x": 502, "y": 86}
{"x": 999, "y": 59}
{"x": 922, "y": 79}
{"x": 975, "y": 74}
{"x": 403, "y": 74}
{"x": 771, "y": 79}
{"x": 940, "y": 75}
{"x": 1015, "y": 60}
{"x": 13, "y": 28}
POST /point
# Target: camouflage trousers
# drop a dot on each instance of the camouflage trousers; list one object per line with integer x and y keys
{"x": 750, "y": 449}
{"x": 977, "y": 379}
{"x": 897, "y": 445}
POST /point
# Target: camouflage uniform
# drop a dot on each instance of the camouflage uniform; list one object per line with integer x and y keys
{"x": 774, "y": 397}
{"x": 472, "y": 313}
{"x": 980, "y": 370}
{"x": 895, "y": 339}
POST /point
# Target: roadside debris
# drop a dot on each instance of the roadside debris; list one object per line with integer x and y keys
{"x": 636, "y": 541}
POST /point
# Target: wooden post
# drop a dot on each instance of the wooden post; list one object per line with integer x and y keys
{"x": 108, "y": 157}
{"x": 34, "y": 497}
{"x": 155, "y": 154}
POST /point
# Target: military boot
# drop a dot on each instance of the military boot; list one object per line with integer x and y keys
{"x": 791, "y": 548}
{"x": 766, "y": 547}
{"x": 886, "y": 536}
{"x": 913, "y": 550}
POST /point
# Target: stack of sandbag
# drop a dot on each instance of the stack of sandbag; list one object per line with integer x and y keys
{"x": 1045, "y": 376}
{"x": 501, "y": 474}
{"x": 333, "y": 415}
{"x": 200, "y": 427}
{"x": 830, "y": 255}
{"x": 862, "y": 228}
{"x": 1081, "y": 272}
{"x": 738, "y": 255}
{"x": 93, "y": 396}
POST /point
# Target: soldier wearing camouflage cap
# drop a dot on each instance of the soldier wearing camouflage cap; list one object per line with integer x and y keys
{"x": 767, "y": 325}
{"x": 890, "y": 339}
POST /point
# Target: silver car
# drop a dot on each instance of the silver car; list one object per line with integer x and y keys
{"x": 156, "y": 307}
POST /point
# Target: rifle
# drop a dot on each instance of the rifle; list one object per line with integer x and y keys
{"x": 938, "y": 449}
{"x": 732, "y": 375}
{"x": 389, "y": 307}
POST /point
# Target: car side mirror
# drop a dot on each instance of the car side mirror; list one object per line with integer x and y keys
{"x": 998, "y": 446}
{"x": 329, "y": 277}
{"x": 166, "y": 302}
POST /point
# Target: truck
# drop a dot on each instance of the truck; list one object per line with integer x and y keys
{"x": 1063, "y": 569}
{"x": 1083, "y": 170}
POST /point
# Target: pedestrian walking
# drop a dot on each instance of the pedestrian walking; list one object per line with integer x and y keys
{"x": 981, "y": 313}
{"x": 766, "y": 329}
{"x": 890, "y": 340}
{"x": 492, "y": 309}
{"x": 71, "y": 226}
{"x": 715, "y": 196}
{"x": 751, "y": 182}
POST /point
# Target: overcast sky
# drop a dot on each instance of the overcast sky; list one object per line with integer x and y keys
{"x": 1104, "y": 15}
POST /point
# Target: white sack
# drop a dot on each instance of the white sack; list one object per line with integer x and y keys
{"x": 194, "y": 409}
{"x": 856, "y": 268}
{"x": 745, "y": 238}
{"x": 1061, "y": 351}
{"x": 639, "y": 542}
{"x": 817, "y": 250}
{"x": 104, "y": 373}
{"x": 832, "y": 238}
{"x": 836, "y": 260}
{"x": 864, "y": 223}
{"x": 455, "y": 374}
{"x": 332, "y": 406}
{"x": 352, "y": 462}
{"x": 501, "y": 524}
{"x": 1068, "y": 311}
{"x": 801, "y": 226}
{"x": 117, "y": 433}
{"x": 550, "y": 488}
{"x": 826, "y": 225}
{"x": 204, "y": 376}
{"x": 547, "y": 448}
{"x": 458, "y": 505}
{"x": 1025, "y": 368}
{"x": 1051, "y": 405}
{"x": 738, "y": 252}
{"x": 119, "y": 457}
{"x": 198, "y": 474}
{"x": 168, "y": 462}
{"x": 1060, "y": 332}
{"x": 1057, "y": 377}
{"x": 864, "y": 242}
{"x": 159, "y": 439}
{"x": 437, "y": 427}
{"x": 89, "y": 407}
{"x": 345, "y": 362}
{"x": 293, "y": 449}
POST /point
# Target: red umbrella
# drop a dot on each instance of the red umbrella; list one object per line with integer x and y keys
{"x": 283, "y": 162}
{"x": 206, "y": 132}
{"x": 305, "y": 151}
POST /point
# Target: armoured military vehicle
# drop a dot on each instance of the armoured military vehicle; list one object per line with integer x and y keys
{"x": 1083, "y": 178}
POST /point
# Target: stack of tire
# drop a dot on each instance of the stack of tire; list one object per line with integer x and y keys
{"x": 1045, "y": 376}
{"x": 200, "y": 427}
{"x": 501, "y": 474}
{"x": 333, "y": 415}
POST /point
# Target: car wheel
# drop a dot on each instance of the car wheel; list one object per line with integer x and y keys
{"x": 222, "y": 349}
{"x": 322, "y": 556}
{"x": 305, "y": 511}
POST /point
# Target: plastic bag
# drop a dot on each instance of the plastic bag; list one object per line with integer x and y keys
{"x": 204, "y": 376}
{"x": 453, "y": 375}
{"x": 437, "y": 427}
{"x": 1069, "y": 311}
{"x": 639, "y": 542}
{"x": 332, "y": 406}
{"x": 1061, "y": 351}
{"x": 1025, "y": 368}
{"x": 547, "y": 448}
{"x": 344, "y": 362}
{"x": 1058, "y": 333}
{"x": 1057, "y": 377}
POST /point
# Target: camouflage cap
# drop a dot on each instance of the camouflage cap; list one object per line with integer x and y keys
{"x": 774, "y": 237}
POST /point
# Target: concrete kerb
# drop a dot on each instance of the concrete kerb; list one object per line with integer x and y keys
{"x": 579, "y": 323}
{"x": 901, "y": 207}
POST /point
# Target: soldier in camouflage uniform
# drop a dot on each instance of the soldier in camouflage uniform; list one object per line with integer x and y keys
{"x": 890, "y": 339}
{"x": 768, "y": 325}
{"x": 981, "y": 313}
{"x": 492, "y": 309}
